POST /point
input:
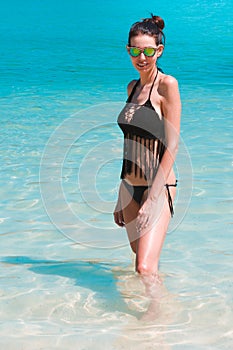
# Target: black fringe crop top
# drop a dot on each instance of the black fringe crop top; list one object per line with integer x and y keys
{"x": 144, "y": 138}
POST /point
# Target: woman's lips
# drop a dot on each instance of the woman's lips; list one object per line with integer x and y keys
{"x": 142, "y": 65}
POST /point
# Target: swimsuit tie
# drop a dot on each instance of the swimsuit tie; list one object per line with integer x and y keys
{"x": 170, "y": 198}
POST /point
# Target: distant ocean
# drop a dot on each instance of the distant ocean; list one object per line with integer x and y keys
{"x": 67, "y": 275}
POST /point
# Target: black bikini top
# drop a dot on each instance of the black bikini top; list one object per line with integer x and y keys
{"x": 141, "y": 120}
{"x": 144, "y": 137}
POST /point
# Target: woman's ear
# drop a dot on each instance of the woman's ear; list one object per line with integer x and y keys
{"x": 160, "y": 50}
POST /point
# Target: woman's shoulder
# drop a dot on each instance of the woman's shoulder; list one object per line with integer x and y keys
{"x": 167, "y": 84}
{"x": 131, "y": 85}
{"x": 168, "y": 80}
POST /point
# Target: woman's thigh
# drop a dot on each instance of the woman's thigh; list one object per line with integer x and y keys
{"x": 150, "y": 243}
{"x": 130, "y": 210}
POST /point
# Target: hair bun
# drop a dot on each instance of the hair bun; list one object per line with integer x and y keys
{"x": 159, "y": 21}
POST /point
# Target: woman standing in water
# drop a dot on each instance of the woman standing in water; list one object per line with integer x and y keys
{"x": 150, "y": 122}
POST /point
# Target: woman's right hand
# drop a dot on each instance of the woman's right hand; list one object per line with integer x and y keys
{"x": 118, "y": 217}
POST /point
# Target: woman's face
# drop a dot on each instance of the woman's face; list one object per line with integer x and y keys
{"x": 143, "y": 63}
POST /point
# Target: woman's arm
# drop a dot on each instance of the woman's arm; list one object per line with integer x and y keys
{"x": 171, "y": 110}
{"x": 118, "y": 213}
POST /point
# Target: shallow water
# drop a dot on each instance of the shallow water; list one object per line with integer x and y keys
{"x": 67, "y": 276}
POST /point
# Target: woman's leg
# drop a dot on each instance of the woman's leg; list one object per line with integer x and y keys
{"x": 130, "y": 210}
{"x": 149, "y": 244}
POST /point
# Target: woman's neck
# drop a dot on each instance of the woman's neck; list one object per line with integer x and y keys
{"x": 148, "y": 78}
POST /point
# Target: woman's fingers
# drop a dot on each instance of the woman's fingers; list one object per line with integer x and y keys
{"x": 145, "y": 215}
{"x": 142, "y": 221}
{"x": 115, "y": 214}
{"x": 118, "y": 218}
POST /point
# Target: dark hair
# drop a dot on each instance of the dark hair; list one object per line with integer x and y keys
{"x": 151, "y": 26}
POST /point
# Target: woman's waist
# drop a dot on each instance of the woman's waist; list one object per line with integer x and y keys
{"x": 135, "y": 180}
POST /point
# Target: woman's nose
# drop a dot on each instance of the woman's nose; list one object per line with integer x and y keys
{"x": 142, "y": 55}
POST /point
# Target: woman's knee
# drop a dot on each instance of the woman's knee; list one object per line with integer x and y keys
{"x": 144, "y": 268}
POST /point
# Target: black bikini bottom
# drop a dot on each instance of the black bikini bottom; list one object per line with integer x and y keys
{"x": 137, "y": 193}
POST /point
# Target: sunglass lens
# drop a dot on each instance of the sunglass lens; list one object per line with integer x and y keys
{"x": 134, "y": 51}
{"x": 149, "y": 51}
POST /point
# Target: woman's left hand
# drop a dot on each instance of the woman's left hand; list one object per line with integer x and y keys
{"x": 146, "y": 214}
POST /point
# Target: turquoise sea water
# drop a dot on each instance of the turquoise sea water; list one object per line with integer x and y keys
{"x": 67, "y": 277}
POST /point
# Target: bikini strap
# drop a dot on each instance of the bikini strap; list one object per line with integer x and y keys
{"x": 153, "y": 85}
{"x": 135, "y": 86}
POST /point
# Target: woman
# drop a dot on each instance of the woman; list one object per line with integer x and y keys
{"x": 150, "y": 122}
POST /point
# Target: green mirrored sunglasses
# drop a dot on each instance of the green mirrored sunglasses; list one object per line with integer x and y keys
{"x": 136, "y": 51}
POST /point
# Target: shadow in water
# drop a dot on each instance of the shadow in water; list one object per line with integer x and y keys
{"x": 94, "y": 275}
